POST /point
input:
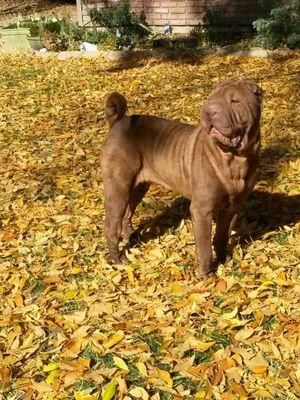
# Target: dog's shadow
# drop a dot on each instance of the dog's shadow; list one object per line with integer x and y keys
{"x": 168, "y": 218}
{"x": 262, "y": 212}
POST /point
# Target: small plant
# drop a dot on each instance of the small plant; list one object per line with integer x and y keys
{"x": 282, "y": 28}
{"x": 69, "y": 307}
{"x": 32, "y": 25}
{"x": 280, "y": 238}
{"x": 58, "y": 34}
{"x": 218, "y": 301}
{"x": 121, "y": 22}
{"x": 269, "y": 322}
{"x": 200, "y": 357}
{"x": 154, "y": 343}
{"x": 61, "y": 34}
{"x": 89, "y": 353}
{"x": 107, "y": 361}
{"x": 221, "y": 339}
{"x": 188, "y": 383}
{"x": 165, "y": 395}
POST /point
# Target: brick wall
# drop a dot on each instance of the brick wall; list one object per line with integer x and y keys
{"x": 182, "y": 15}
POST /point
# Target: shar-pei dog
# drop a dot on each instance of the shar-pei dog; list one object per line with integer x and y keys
{"x": 213, "y": 164}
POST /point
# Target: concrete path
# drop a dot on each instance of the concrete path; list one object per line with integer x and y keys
{"x": 127, "y": 54}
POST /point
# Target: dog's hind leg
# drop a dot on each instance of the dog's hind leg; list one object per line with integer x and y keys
{"x": 136, "y": 195}
{"x": 116, "y": 193}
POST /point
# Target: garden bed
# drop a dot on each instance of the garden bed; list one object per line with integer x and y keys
{"x": 117, "y": 29}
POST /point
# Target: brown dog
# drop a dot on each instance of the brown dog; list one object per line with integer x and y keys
{"x": 213, "y": 165}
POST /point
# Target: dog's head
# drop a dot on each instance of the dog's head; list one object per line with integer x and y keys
{"x": 232, "y": 112}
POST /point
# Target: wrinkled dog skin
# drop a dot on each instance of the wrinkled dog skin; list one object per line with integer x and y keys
{"x": 213, "y": 164}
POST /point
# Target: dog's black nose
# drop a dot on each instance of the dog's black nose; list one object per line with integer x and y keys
{"x": 211, "y": 109}
{"x": 209, "y": 113}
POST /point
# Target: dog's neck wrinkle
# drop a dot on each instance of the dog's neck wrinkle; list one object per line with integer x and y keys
{"x": 232, "y": 170}
{"x": 253, "y": 144}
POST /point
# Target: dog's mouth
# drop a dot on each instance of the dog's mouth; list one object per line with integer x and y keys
{"x": 226, "y": 141}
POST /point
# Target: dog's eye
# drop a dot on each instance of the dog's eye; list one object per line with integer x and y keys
{"x": 235, "y": 101}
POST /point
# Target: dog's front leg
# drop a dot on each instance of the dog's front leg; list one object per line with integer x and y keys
{"x": 225, "y": 222}
{"x": 202, "y": 223}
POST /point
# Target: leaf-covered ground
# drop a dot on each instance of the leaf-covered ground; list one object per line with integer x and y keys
{"x": 74, "y": 327}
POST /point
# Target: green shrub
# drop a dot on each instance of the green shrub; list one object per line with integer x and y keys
{"x": 282, "y": 28}
{"x": 120, "y": 21}
{"x": 211, "y": 26}
{"x": 208, "y": 32}
{"x": 264, "y": 7}
{"x": 212, "y": 31}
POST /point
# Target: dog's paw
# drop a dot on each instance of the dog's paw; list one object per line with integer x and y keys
{"x": 223, "y": 260}
{"x": 204, "y": 276}
{"x": 119, "y": 259}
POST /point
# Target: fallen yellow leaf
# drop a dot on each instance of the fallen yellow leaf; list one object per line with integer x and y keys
{"x": 51, "y": 377}
{"x": 5, "y": 376}
{"x": 244, "y": 334}
{"x": 227, "y": 363}
{"x": 238, "y": 389}
{"x": 50, "y": 367}
{"x": 165, "y": 376}
{"x": 130, "y": 274}
{"x": 199, "y": 345}
{"x": 139, "y": 393}
{"x": 264, "y": 393}
{"x": 177, "y": 289}
{"x": 110, "y": 391}
{"x": 142, "y": 368}
{"x": 120, "y": 363}
{"x": 83, "y": 395}
{"x": 113, "y": 339}
{"x": 201, "y": 394}
{"x": 230, "y": 314}
{"x": 260, "y": 369}
{"x": 70, "y": 294}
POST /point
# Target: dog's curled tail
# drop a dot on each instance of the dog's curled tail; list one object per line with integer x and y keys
{"x": 115, "y": 108}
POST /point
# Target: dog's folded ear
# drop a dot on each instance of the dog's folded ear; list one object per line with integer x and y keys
{"x": 115, "y": 108}
{"x": 255, "y": 88}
